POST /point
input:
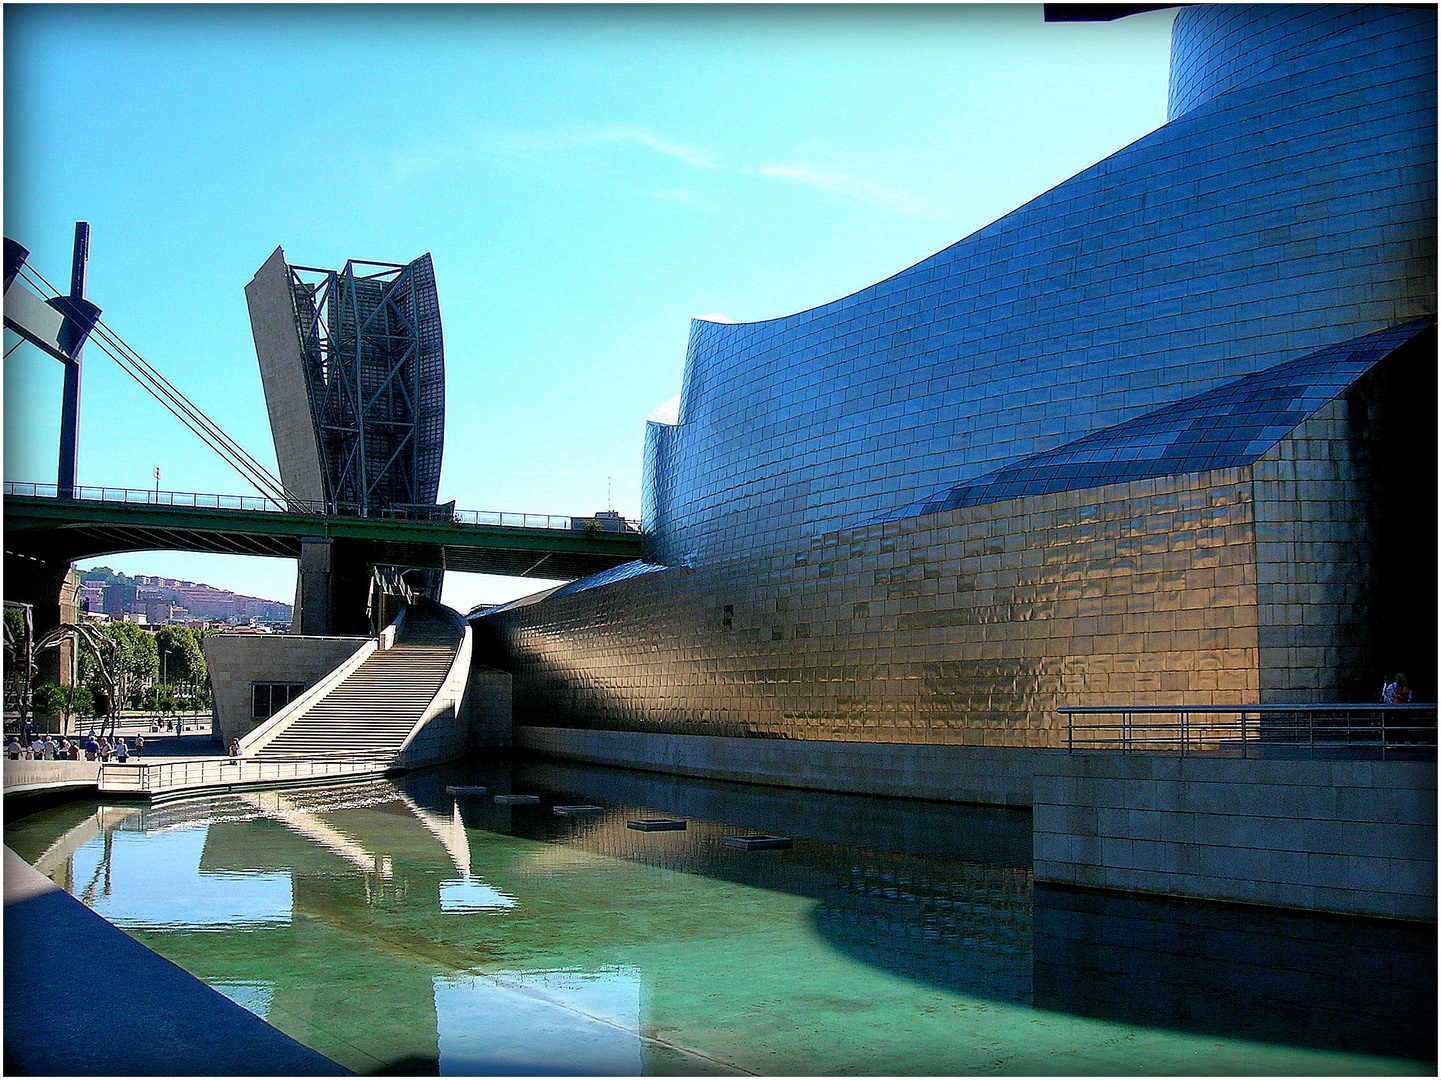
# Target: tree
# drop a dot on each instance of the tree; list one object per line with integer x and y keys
{"x": 131, "y": 656}
{"x": 181, "y": 658}
{"x": 63, "y": 701}
{"x": 22, "y": 648}
{"x": 19, "y": 657}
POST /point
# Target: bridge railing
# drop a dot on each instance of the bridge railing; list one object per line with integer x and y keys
{"x": 1331, "y": 731}
{"x": 161, "y": 777}
{"x": 263, "y": 504}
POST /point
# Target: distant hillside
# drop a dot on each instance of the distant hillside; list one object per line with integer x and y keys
{"x": 162, "y": 599}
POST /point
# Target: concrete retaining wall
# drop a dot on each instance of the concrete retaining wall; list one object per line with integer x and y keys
{"x": 25, "y": 776}
{"x": 442, "y": 733}
{"x": 486, "y": 708}
{"x": 238, "y": 660}
{"x": 1357, "y": 837}
{"x": 993, "y": 775}
{"x": 83, "y": 998}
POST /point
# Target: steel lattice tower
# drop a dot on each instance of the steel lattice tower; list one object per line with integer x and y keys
{"x": 353, "y": 368}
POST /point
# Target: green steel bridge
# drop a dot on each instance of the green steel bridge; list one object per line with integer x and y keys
{"x": 103, "y": 521}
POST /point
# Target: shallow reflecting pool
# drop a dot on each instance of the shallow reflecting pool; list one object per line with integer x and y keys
{"x": 400, "y": 929}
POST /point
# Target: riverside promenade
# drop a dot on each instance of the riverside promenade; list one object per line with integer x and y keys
{"x": 37, "y": 778}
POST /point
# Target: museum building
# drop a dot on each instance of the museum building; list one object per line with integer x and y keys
{"x": 1163, "y": 435}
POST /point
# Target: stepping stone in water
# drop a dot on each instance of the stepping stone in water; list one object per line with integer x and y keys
{"x": 517, "y": 800}
{"x": 465, "y": 789}
{"x": 577, "y": 811}
{"x": 757, "y": 843}
{"x": 655, "y": 824}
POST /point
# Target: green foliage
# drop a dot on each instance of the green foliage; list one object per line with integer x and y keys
{"x": 15, "y": 624}
{"x": 170, "y": 699}
{"x": 67, "y": 701}
{"x": 48, "y": 699}
{"x": 103, "y": 574}
{"x": 133, "y": 658}
{"x": 182, "y": 659}
{"x": 130, "y": 656}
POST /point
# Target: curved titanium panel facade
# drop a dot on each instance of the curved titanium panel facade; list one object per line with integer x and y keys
{"x": 911, "y": 514}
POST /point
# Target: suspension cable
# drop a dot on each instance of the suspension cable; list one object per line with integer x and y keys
{"x": 186, "y": 411}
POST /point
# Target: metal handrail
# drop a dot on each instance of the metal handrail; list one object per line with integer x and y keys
{"x": 157, "y": 777}
{"x": 1324, "y": 730}
{"x": 310, "y": 508}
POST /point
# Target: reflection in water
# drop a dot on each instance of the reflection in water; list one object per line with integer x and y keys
{"x": 255, "y": 996}
{"x": 557, "y": 1023}
{"x": 136, "y": 883}
{"x": 472, "y": 894}
{"x": 1357, "y": 985}
{"x": 401, "y": 929}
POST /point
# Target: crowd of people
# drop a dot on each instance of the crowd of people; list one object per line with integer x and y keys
{"x": 44, "y": 747}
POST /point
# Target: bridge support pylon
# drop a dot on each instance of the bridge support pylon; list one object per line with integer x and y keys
{"x": 333, "y": 588}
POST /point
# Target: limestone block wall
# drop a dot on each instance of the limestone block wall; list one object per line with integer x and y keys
{"x": 486, "y": 708}
{"x": 442, "y": 732}
{"x": 996, "y": 776}
{"x": 236, "y": 661}
{"x": 1357, "y": 837}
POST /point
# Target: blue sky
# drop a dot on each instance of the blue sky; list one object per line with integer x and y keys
{"x": 586, "y": 178}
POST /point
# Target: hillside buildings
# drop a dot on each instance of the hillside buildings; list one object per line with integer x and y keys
{"x": 160, "y": 601}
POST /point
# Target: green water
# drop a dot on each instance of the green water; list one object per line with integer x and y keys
{"x": 402, "y": 930}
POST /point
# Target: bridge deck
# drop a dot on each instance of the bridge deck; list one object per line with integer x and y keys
{"x": 64, "y": 530}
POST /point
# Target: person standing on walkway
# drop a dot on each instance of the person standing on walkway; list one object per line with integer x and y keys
{"x": 121, "y": 751}
{"x": 13, "y": 749}
{"x": 1403, "y": 691}
{"x": 140, "y": 746}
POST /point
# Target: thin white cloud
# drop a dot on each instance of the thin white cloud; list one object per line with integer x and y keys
{"x": 878, "y": 195}
{"x": 476, "y": 145}
{"x": 471, "y": 147}
{"x": 646, "y": 138}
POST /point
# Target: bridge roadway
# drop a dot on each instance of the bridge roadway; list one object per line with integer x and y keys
{"x": 104, "y": 521}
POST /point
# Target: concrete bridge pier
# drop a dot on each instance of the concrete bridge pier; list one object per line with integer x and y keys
{"x": 49, "y": 590}
{"x": 336, "y": 592}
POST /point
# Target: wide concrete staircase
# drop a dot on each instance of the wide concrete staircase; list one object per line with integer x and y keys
{"x": 377, "y": 706}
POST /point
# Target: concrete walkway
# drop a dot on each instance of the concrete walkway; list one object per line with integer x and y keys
{"x": 41, "y": 777}
{"x": 83, "y": 998}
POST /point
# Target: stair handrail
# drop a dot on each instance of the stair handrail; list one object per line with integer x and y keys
{"x": 257, "y": 740}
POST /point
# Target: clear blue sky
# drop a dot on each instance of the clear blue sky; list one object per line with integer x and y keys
{"x": 587, "y": 179}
